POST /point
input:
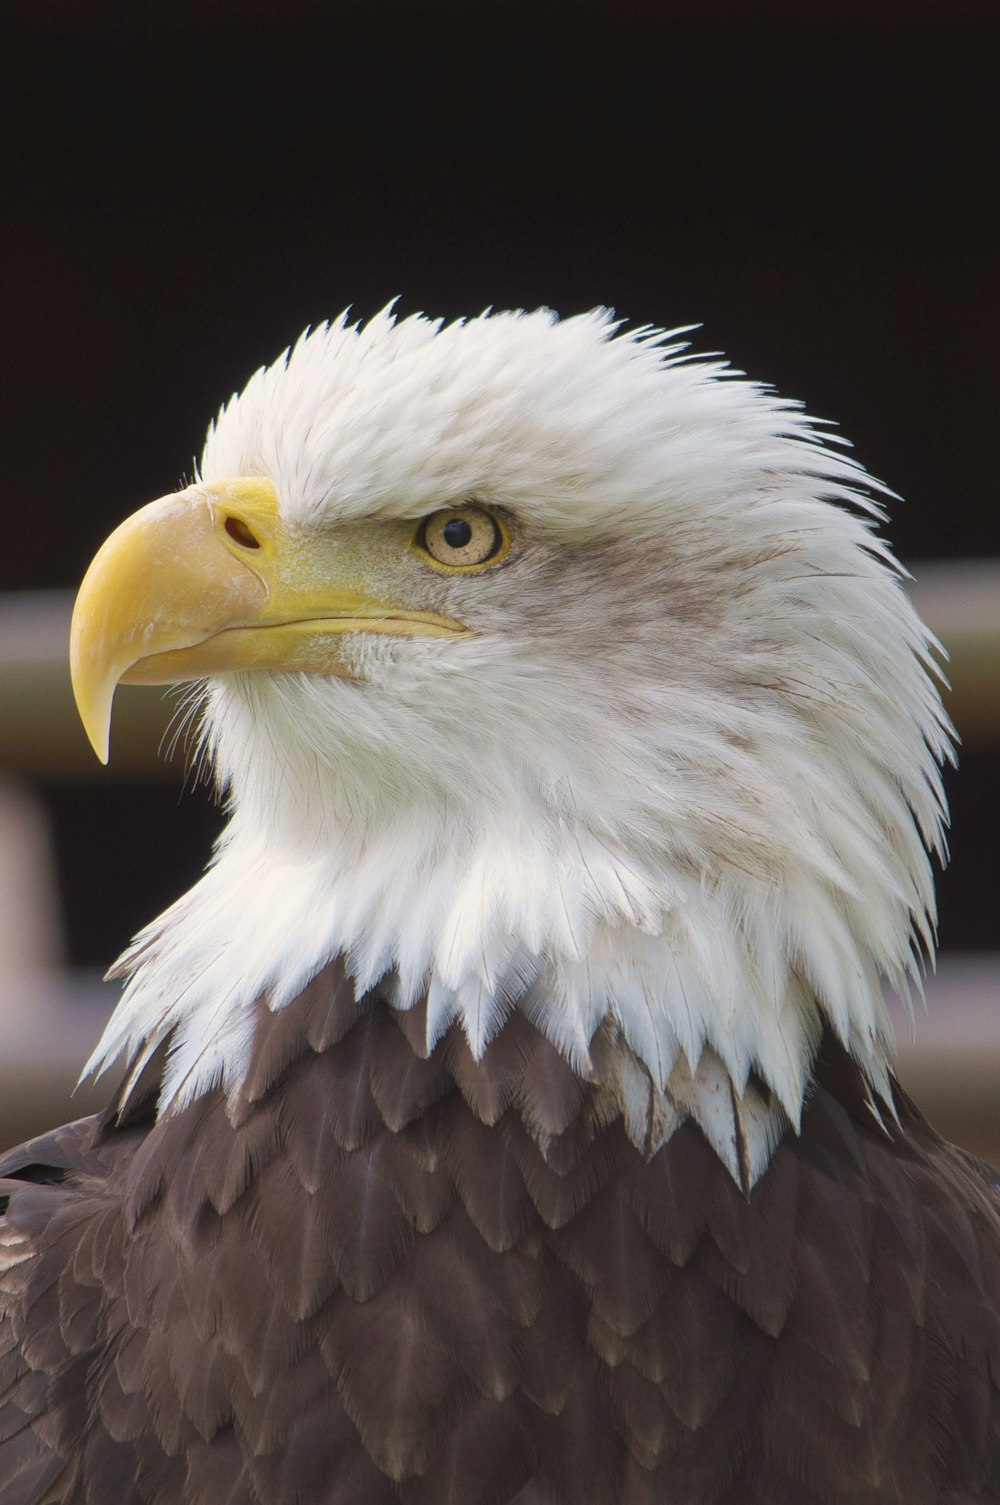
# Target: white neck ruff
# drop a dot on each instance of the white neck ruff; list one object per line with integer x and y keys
{"x": 718, "y": 993}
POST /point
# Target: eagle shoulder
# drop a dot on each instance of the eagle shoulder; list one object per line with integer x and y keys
{"x": 377, "y": 1275}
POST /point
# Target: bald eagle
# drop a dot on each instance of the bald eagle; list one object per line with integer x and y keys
{"x": 507, "y": 1116}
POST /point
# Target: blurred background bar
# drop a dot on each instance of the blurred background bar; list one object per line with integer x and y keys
{"x": 40, "y": 731}
{"x": 948, "y": 1053}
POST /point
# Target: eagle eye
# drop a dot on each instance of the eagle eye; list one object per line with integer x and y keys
{"x": 462, "y": 538}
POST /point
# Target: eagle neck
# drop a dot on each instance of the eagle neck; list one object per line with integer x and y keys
{"x": 635, "y": 974}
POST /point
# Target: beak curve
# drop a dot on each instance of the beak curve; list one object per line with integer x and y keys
{"x": 212, "y": 580}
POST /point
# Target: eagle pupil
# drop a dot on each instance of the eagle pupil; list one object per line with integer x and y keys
{"x": 457, "y": 533}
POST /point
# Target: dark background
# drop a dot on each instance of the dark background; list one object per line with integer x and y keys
{"x": 188, "y": 186}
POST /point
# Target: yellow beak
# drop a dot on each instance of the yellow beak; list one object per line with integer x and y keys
{"x": 211, "y": 580}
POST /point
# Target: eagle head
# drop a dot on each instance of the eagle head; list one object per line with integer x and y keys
{"x": 543, "y": 668}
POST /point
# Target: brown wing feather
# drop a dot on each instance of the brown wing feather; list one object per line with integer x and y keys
{"x": 380, "y": 1277}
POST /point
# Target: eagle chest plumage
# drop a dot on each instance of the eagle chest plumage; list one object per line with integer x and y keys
{"x": 378, "y": 1275}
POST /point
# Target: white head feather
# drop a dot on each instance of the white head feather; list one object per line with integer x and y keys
{"x": 683, "y": 773}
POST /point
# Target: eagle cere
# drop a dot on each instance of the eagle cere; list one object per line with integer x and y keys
{"x": 507, "y": 1116}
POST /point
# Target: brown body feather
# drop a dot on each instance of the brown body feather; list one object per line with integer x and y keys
{"x": 373, "y": 1278}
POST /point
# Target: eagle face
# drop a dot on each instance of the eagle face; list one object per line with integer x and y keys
{"x": 544, "y": 668}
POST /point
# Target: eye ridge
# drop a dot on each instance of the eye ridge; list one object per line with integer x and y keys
{"x": 462, "y": 539}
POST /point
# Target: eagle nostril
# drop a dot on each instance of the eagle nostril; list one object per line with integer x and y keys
{"x": 240, "y": 533}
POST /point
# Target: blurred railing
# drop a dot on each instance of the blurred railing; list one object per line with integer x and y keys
{"x": 40, "y": 731}
{"x": 949, "y": 1058}
{"x": 948, "y": 1051}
